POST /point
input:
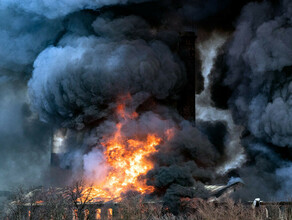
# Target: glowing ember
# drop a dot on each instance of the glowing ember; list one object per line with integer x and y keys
{"x": 39, "y": 202}
{"x": 127, "y": 159}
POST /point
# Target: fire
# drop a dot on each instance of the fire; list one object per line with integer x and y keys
{"x": 39, "y": 202}
{"x": 127, "y": 159}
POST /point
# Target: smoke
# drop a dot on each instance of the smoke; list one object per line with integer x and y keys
{"x": 257, "y": 57}
{"x": 22, "y": 37}
{"x": 70, "y": 63}
{"x": 258, "y": 72}
{"x": 86, "y": 74}
{"x": 83, "y": 79}
{"x": 199, "y": 10}
{"x": 130, "y": 27}
{"x": 206, "y": 111}
{"x": 283, "y": 174}
{"x": 182, "y": 164}
{"x": 92, "y": 160}
{"x": 55, "y": 8}
{"x": 24, "y": 140}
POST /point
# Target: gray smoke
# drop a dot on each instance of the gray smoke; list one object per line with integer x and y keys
{"x": 257, "y": 58}
{"x": 79, "y": 80}
{"x": 83, "y": 78}
{"x": 71, "y": 62}
{"x": 25, "y": 141}
{"x": 22, "y": 37}
{"x": 55, "y": 8}
{"x": 130, "y": 27}
{"x": 199, "y": 10}
{"x": 24, "y": 145}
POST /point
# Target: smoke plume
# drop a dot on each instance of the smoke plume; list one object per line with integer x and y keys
{"x": 257, "y": 58}
{"x": 71, "y": 64}
{"x": 256, "y": 71}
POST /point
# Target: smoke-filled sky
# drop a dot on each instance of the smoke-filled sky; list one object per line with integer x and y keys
{"x": 65, "y": 64}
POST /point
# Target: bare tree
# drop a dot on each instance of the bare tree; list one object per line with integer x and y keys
{"x": 80, "y": 195}
{"x": 21, "y": 204}
{"x": 55, "y": 205}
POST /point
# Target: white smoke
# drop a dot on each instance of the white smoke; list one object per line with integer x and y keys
{"x": 206, "y": 111}
{"x": 95, "y": 167}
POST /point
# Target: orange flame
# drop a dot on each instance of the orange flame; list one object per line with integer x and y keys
{"x": 127, "y": 159}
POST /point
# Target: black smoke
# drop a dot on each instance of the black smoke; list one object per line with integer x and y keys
{"x": 254, "y": 71}
{"x": 66, "y": 64}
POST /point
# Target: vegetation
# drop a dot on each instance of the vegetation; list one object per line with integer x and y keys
{"x": 63, "y": 204}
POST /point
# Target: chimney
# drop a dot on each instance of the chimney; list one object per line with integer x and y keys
{"x": 186, "y": 49}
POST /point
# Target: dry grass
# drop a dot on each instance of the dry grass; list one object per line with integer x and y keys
{"x": 134, "y": 207}
{"x": 228, "y": 210}
{"x": 198, "y": 209}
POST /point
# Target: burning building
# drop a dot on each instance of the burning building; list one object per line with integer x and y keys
{"x": 142, "y": 141}
{"x": 127, "y": 122}
{"x": 126, "y": 140}
{"x": 185, "y": 103}
{"x": 137, "y": 103}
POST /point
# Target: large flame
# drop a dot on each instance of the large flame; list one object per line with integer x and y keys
{"x": 127, "y": 159}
